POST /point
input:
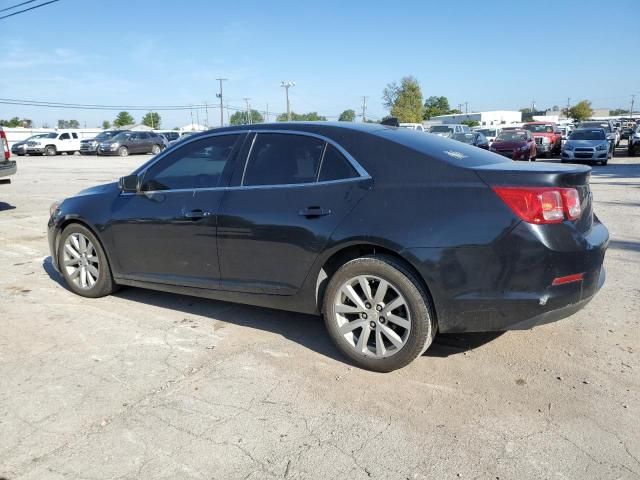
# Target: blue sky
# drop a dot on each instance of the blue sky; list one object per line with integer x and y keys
{"x": 492, "y": 54}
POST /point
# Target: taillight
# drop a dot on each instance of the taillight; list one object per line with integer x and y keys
{"x": 541, "y": 205}
{"x": 5, "y": 145}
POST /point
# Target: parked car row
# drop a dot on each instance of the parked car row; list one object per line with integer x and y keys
{"x": 108, "y": 142}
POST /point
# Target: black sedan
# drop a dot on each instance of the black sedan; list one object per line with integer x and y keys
{"x": 391, "y": 234}
{"x": 477, "y": 139}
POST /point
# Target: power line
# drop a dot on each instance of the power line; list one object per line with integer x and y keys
{"x": 17, "y": 5}
{"x": 27, "y": 9}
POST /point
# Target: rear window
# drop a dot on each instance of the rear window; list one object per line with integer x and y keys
{"x": 441, "y": 148}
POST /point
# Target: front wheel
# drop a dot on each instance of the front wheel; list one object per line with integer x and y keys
{"x": 83, "y": 263}
{"x": 156, "y": 149}
{"x": 50, "y": 151}
{"x": 123, "y": 151}
{"x": 378, "y": 313}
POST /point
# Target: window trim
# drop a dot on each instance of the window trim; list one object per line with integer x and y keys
{"x": 362, "y": 173}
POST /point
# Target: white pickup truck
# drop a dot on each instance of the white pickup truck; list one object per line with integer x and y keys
{"x": 55, "y": 143}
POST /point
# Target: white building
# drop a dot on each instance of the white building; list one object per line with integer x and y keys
{"x": 494, "y": 117}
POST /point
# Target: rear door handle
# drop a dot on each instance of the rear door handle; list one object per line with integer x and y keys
{"x": 196, "y": 214}
{"x": 311, "y": 212}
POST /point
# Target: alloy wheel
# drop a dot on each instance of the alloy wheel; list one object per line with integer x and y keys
{"x": 80, "y": 261}
{"x": 373, "y": 316}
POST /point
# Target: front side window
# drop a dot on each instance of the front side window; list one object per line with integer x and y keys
{"x": 197, "y": 164}
{"x": 282, "y": 159}
{"x": 65, "y": 136}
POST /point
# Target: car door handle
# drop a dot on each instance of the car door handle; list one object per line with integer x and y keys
{"x": 196, "y": 214}
{"x": 311, "y": 212}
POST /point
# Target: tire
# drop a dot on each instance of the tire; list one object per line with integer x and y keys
{"x": 547, "y": 154}
{"x": 123, "y": 151}
{"x": 416, "y": 311}
{"x": 156, "y": 149}
{"x": 50, "y": 151}
{"x": 93, "y": 256}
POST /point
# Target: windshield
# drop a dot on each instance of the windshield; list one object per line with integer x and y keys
{"x": 105, "y": 135}
{"x": 487, "y": 132}
{"x": 441, "y": 129}
{"x": 605, "y": 126}
{"x": 597, "y": 134}
{"x": 511, "y": 137}
{"x": 463, "y": 137}
{"x": 40, "y": 135}
{"x": 536, "y": 128}
{"x": 121, "y": 137}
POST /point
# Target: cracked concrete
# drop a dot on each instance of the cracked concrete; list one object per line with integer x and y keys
{"x": 152, "y": 385}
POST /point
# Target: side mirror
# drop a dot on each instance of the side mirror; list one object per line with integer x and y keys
{"x": 129, "y": 184}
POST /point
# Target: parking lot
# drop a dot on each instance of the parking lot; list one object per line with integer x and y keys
{"x": 152, "y": 385}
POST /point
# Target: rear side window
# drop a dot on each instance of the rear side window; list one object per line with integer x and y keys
{"x": 335, "y": 166}
{"x": 197, "y": 164}
{"x": 281, "y": 159}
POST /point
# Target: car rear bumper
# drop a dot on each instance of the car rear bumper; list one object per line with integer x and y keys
{"x": 8, "y": 168}
{"x": 509, "y": 285}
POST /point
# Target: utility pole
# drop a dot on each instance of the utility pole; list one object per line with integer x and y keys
{"x": 466, "y": 108}
{"x": 266, "y": 115}
{"x": 533, "y": 106}
{"x": 286, "y": 86}
{"x": 633, "y": 100}
{"x": 219, "y": 95}
{"x": 364, "y": 108}
{"x": 568, "y": 106}
{"x": 460, "y": 107}
{"x": 198, "y": 117}
{"x": 246, "y": 99}
{"x": 206, "y": 112}
{"x": 151, "y": 116}
{"x": 191, "y": 108}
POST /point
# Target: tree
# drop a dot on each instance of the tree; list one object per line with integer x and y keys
{"x": 302, "y": 117}
{"x": 152, "y": 119}
{"x": 404, "y": 100}
{"x": 435, "y": 106}
{"x": 347, "y": 116}
{"x": 16, "y": 122}
{"x": 73, "y": 124}
{"x": 241, "y": 117}
{"x": 619, "y": 111}
{"x": 470, "y": 123}
{"x": 123, "y": 118}
{"x": 106, "y": 124}
{"x": 581, "y": 111}
{"x": 527, "y": 114}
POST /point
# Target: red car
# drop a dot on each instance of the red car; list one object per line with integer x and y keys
{"x": 547, "y": 137}
{"x": 515, "y": 144}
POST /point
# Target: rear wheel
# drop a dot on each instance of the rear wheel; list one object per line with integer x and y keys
{"x": 83, "y": 263}
{"x": 378, "y": 313}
